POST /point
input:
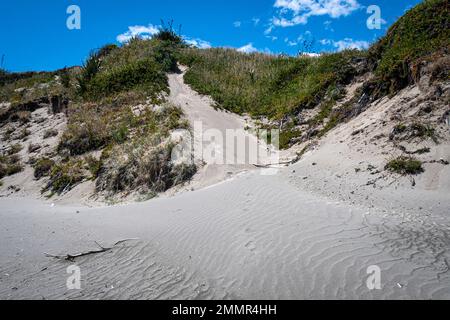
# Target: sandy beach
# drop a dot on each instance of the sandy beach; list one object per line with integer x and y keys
{"x": 310, "y": 231}
{"x": 270, "y": 241}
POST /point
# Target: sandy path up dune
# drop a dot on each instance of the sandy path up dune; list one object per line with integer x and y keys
{"x": 198, "y": 109}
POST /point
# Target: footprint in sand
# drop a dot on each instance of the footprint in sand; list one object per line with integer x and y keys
{"x": 251, "y": 246}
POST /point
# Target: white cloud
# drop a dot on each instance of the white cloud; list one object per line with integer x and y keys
{"x": 237, "y": 24}
{"x": 305, "y": 38}
{"x": 295, "y": 12}
{"x": 144, "y": 32}
{"x": 249, "y": 48}
{"x": 199, "y": 43}
{"x": 256, "y": 21}
{"x": 147, "y": 32}
{"x": 346, "y": 43}
{"x": 310, "y": 54}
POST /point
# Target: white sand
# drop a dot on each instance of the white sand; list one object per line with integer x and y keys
{"x": 330, "y": 168}
{"x": 300, "y": 234}
{"x": 256, "y": 237}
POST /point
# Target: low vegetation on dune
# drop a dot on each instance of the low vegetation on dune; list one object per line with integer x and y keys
{"x": 275, "y": 87}
{"x": 136, "y": 149}
{"x": 405, "y": 165}
{"x": 421, "y": 35}
{"x": 10, "y": 162}
{"x": 117, "y": 114}
{"x": 267, "y": 85}
{"x": 143, "y": 166}
{"x": 42, "y": 167}
{"x": 13, "y": 85}
{"x": 118, "y": 123}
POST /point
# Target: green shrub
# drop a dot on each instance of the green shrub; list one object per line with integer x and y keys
{"x": 50, "y": 133}
{"x": 106, "y": 50}
{"x": 421, "y": 32}
{"x": 42, "y": 167}
{"x": 24, "y": 133}
{"x": 414, "y": 130}
{"x": 9, "y": 165}
{"x": 3, "y": 171}
{"x": 286, "y": 137}
{"x": 15, "y": 148}
{"x": 168, "y": 34}
{"x": 64, "y": 176}
{"x": 405, "y": 165}
{"x": 88, "y": 129}
{"x": 65, "y": 77}
{"x": 424, "y": 131}
{"x": 164, "y": 55}
{"x": 145, "y": 168}
{"x": 8, "y": 132}
{"x": 24, "y": 79}
{"x": 14, "y": 168}
{"x": 88, "y": 71}
{"x": 120, "y": 134}
{"x": 94, "y": 165}
{"x": 144, "y": 72}
{"x": 21, "y": 116}
{"x": 92, "y": 127}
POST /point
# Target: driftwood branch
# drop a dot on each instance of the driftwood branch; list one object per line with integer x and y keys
{"x": 273, "y": 164}
{"x": 72, "y": 257}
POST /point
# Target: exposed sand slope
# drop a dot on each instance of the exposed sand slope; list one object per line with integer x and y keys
{"x": 349, "y": 163}
{"x": 41, "y": 120}
{"x": 256, "y": 237}
{"x": 199, "y": 109}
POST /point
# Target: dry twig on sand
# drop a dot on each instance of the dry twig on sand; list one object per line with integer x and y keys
{"x": 72, "y": 257}
{"x": 286, "y": 163}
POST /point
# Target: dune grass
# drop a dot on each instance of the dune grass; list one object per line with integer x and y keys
{"x": 10, "y": 164}
{"x": 266, "y": 85}
{"x": 405, "y": 166}
{"x": 422, "y": 32}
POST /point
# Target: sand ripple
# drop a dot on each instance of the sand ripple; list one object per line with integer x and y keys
{"x": 253, "y": 238}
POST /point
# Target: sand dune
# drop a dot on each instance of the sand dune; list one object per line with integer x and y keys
{"x": 309, "y": 232}
{"x": 198, "y": 109}
{"x": 256, "y": 237}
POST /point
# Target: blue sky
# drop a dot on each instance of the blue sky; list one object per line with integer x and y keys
{"x": 34, "y": 35}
